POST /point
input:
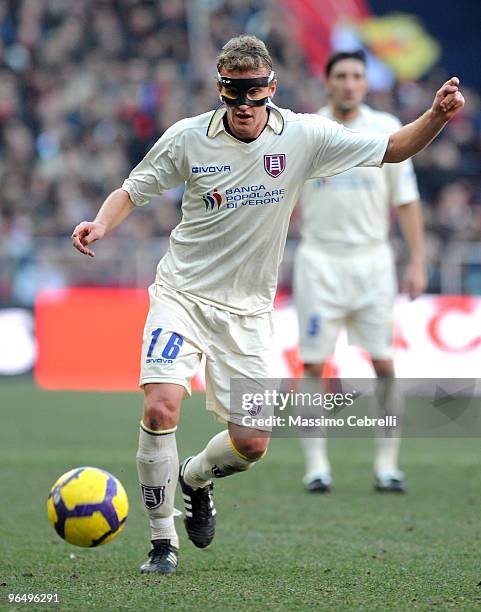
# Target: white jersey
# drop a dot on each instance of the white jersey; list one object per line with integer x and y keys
{"x": 239, "y": 197}
{"x": 352, "y": 208}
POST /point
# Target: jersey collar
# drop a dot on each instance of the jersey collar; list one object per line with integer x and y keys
{"x": 364, "y": 111}
{"x": 216, "y": 124}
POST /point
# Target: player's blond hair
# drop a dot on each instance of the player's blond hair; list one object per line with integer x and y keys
{"x": 244, "y": 54}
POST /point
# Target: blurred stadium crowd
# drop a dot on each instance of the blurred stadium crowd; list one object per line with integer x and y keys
{"x": 86, "y": 87}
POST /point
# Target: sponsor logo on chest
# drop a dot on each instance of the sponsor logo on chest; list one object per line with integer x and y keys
{"x": 244, "y": 196}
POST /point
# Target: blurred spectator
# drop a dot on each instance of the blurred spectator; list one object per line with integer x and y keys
{"x": 86, "y": 87}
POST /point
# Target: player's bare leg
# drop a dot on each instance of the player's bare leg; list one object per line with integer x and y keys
{"x": 388, "y": 477}
{"x": 231, "y": 451}
{"x": 158, "y": 466}
{"x": 317, "y": 478}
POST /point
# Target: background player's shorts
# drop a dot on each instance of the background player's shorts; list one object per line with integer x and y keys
{"x": 336, "y": 290}
{"x": 179, "y": 330}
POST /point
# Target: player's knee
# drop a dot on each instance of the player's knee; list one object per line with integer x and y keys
{"x": 251, "y": 449}
{"x": 314, "y": 369}
{"x": 160, "y": 412}
{"x": 384, "y": 368}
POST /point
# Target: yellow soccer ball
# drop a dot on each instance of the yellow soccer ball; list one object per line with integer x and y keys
{"x": 87, "y": 506}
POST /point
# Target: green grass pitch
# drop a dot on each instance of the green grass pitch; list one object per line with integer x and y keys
{"x": 276, "y": 547}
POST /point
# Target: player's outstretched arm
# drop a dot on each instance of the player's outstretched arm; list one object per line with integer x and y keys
{"x": 413, "y": 137}
{"x": 113, "y": 211}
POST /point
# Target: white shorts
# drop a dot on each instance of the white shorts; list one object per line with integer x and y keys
{"x": 334, "y": 290}
{"x": 179, "y": 330}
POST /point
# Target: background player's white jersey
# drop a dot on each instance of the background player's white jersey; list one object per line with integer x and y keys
{"x": 239, "y": 197}
{"x": 353, "y": 208}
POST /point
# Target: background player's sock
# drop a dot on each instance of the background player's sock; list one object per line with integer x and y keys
{"x": 386, "y": 461}
{"x": 158, "y": 468}
{"x": 315, "y": 457}
{"x": 389, "y": 402}
{"x": 219, "y": 458}
{"x": 314, "y": 449}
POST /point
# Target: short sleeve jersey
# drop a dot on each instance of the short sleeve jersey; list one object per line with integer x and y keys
{"x": 352, "y": 208}
{"x": 238, "y": 198}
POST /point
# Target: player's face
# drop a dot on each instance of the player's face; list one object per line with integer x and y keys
{"x": 247, "y": 121}
{"x": 347, "y": 85}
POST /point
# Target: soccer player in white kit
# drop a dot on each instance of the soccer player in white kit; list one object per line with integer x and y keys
{"x": 344, "y": 274}
{"x": 243, "y": 166}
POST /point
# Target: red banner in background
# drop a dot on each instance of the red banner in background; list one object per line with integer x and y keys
{"x": 313, "y": 22}
{"x": 89, "y": 339}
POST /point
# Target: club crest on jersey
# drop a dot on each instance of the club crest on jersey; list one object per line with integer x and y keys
{"x": 212, "y": 199}
{"x": 275, "y": 164}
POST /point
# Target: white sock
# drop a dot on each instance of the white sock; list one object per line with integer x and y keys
{"x": 164, "y": 529}
{"x": 389, "y": 402}
{"x": 316, "y": 460}
{"x": 386, "y": 460}
{"x": 314, "y": 449}
{"x": 219, "y": 458}
{"x": 158, "y": 468}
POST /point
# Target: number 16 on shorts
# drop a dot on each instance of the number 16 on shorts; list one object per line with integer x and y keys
{"x": 164, "y": 350}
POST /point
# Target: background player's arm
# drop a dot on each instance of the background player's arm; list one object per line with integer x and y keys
{"x": 413, "y": 137}
{"x": 411, "y": 223}
{"x": 113, "y": 211}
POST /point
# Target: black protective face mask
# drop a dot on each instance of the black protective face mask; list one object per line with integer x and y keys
{"x": 235, "y": 92}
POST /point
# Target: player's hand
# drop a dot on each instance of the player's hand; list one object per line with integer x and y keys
{"x": 414, "y": 281}
{"x": 448, "y": 100}
{"x": 85, "y": 233}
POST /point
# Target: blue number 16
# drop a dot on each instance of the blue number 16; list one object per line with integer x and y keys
{"x": 171, "y": 349}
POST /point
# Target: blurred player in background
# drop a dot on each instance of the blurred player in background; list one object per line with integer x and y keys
{"x": 243, "y": 166}
{"x": 344, "y": 275}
